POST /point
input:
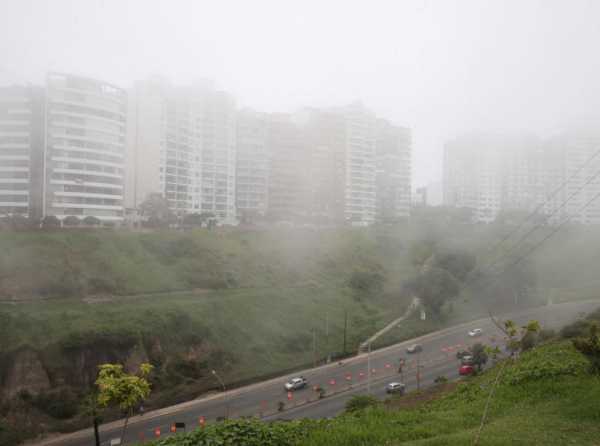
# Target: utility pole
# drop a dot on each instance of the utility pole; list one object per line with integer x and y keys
{"x": 418, "y": 372}
{"x": 327, "y": 337}
{"x": 345, "y": 330}
{"x": 314, "y": 347}
{"x": 369, "y": 370}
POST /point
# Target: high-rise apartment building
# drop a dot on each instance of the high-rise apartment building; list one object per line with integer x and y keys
{"x": 554, "y": 177}
{"x": 288, "y": 172}
{"x": 63, "y": 149}
{"x": 393, "y": 150}
{"x": 571, "y": 159}
{"x": 21, "y": 151}
{"x": 360, "y": 203}
{"x": 182, "y": 145}
{"x": 252, "y": 162}
{"x": 342, "y": 163}
{"x": 325, "y": 166}
{"x": 85, "y": 148}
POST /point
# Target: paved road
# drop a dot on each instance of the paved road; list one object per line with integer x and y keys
{"x": 341, "y": 381}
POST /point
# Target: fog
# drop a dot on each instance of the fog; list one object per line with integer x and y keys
{"x": 442, "y": 68}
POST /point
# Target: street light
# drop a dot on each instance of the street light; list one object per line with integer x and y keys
{"x": 369, "y": 370}
{"x": 214, "y": 372}
{"x": 216, "y": 375}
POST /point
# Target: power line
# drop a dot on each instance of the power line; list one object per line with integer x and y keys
{"x": 554, "y": 212}
{"x": 558, "y": 228}
{"x": 547, "y": 237}
{"x": 546, "y": 200}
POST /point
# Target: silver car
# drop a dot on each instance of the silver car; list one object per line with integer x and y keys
{"x": 415, "y": 348}
{"x": 296, "y": 383}
{"x": 395, "y": 387}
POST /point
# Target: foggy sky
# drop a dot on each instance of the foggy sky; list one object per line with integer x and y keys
{"x": 441, "y": 67}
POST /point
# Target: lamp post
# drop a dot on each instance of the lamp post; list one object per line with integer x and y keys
{"x": 369, "y": 370}
{"x": 216, "y": 375}
{"x": 214, "y": 372}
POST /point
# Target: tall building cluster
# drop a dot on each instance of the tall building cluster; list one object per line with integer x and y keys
{"x": 558, "y": 177}
{"x": 83, "y": 147}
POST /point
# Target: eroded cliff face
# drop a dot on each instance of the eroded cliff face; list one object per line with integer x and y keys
{"x": 37, "y": 372}
{"x": 24, "y": 371}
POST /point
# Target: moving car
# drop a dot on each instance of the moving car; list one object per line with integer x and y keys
{"x": 462, "y": 353}
{"x": 395, "y": 387}
{"x": 466, "y": 360}
{"x": 466, "y": 370}
{"x": 415, "y": 348}
{"x": 296, "y": 383}
{"x": 475, "y": 332}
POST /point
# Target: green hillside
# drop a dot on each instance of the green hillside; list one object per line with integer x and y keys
{"x": 244, "y": 302}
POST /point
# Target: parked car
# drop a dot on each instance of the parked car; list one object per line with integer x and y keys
{"x": 296, "y": 383}
{"x": 395, "y": 387}
{"x": 466, "y": 370}
{"x": 475, "y": 332}
{"x": 415, "y": 348}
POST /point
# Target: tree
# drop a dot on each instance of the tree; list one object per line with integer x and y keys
{"x": 366, "y": 281}
{"x": 435, "y": 287}
{"x": 193, "y": 219}
{"x": 480, "y": 356}
{"x": 590, "y": 348}
{"x": 421, "y": 251}
{"x": 51, "y": 221}
{"x": 458, "y": 263}
{"x": 17, "y": 222}
{"x": 92, "y": 409}
{"x": 71, "y": 220}
{"x": 117, "y": 388}
{"x": 156, "y": 211}
{"x": 90, "y": 220}
{"x": 517, "y": 337}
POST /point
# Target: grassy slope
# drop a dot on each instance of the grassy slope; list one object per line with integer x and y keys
{"x": 280, "y": 285}
{"x": 547, "y": 398}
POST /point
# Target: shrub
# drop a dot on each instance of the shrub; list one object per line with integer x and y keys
{"x": 90, "y": 220}
{"x": 60, "y": 404}
{"x": 50, "y": 221}
{"x": 441, "y": 380}
{"x": 546, "y": 334}
{"x": 247, "y": 432}
{"x": 71, "y": 220}
{"x": 574, "y": 330}
{"x": 360, "y": 402}
{"x": 366, "y": 281}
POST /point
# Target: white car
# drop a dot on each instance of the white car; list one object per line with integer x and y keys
{"x": 415, "y": 348}
{"x": 296, "y": 383}
{"x": 395, "y": 387}
{"x": 475, "y": 332}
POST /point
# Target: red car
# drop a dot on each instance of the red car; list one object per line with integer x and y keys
{"x": 466, "y": 370}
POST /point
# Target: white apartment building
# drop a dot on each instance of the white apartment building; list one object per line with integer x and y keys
{"x": 85, "y": 148}
{"x": 393, "y": 158}
{"x": 21, "y": 150}
{"x": 575, "y": 161}
{"x": 252, "y": 162}
{"x": 182, "y": 145}
{"x": 360, "y": 205}
{"x": 490, "y": 173}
